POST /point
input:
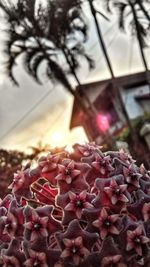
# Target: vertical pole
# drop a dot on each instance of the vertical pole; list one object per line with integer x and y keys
{"x": 101, "y": 41}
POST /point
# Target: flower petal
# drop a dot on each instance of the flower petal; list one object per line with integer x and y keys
{"x": 78, "y": 241}
{"x": 65, "y": 253}
{"x": 103, "y": 233}
{"x": 67, "y": 242}
{"x": 59, "y": 177}
{"x": 96, "y": 223}
{"x": 75, "y": 173}
{"x": 70, "y": 207}
{"x": 76, "y": 259}
{"x": 138, "y": 250}
{"x": 68, "y": 180}
{"x": 79, "y": 213}
{"x": 43, "y": 232}
{"x": 72, "y": 195}
{"x": 83, "y": 194}
{"x": 130, "y": 245}
{"x": 114, "y": 230}
{"x": 144, "y": 239}
{"x": 123, "y": 198}
{"x": 104, "y": 214}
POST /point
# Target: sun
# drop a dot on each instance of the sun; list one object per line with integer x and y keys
{"x": 57, "y": 139}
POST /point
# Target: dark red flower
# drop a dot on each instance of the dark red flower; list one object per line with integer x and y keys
{"x": 78, "y": 202}
{"x": 76, "y": 243}
{"x": 37, "y": 225}
{"x": 114, "y": 261}
{"x": 102, "y": 164}
{"x": 36, "y": 259}
{"x": 136, "y": 239}
{"x": 87, "y": 149}
{"x": 107, "y": 223}
{"x": 18, "y": 181}
{"x": 13, "y": 255}
{"x": 75, "y": 249}
{"x": 131, "y": 175}
{"x": 116, "y": 192}
{"x": 11, "y": 261}
{"x": 67, "y": 171}
{"x": 11, "y": 224}
{"x": 49, "y": 163}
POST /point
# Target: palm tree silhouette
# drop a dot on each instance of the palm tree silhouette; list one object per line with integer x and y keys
{"x": 40, "y": 34}
{"x": 136, "y": 15}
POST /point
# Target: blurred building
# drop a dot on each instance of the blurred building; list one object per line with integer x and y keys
{"x": 110, "y": 120}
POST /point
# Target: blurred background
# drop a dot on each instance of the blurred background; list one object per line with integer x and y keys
{"x": 72, "y": 72}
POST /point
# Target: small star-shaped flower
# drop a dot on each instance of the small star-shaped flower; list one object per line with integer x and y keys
{"x": 136, "y": 239}
{"x": 78, "y": 202}
{"x": 116, "y": 192}
{"x": 125, "y": 157}
{"x": 13, "y": 255}
{"x": 102, "y": 164}
{"x": 114, "y": 260}
{"x": 37, "y": 225}
{"x": 10, "y": 261}
{"x": 13, "y": 220}
{"x": 67, "y": 171}
{"x": 87, "y": 149}
{"x": 11, "y": 224}
{"x": 131, "y": 175}
{"x": 49, "y": 163}
{"x": 76, "y": 242}
{"x": 107, "y": 223}
{"x": 40, "y": 222}
{"x": 144, "y": 172}
{"x": 36, "y": 259}
{"x": 75, "y": 249}
{"x": 18, "y": 181}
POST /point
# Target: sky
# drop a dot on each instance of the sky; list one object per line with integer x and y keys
{"x": 31, "y": 113}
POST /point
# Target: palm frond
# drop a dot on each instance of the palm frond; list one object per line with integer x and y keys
{"x": 121, "y": 14}
{"x": 107, "y": 6}
{"x": 59, "y": 74}
{"x": 90, "y": 61}
{"x": 10, "y": 64}
{"x": 143, "y": 35}
{"x": 28, "y": 56}
{"x": 34, "y": 66}
{"x": 79, "y": 51}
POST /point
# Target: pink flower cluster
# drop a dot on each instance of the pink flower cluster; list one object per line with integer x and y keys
{"x": 82, "y": 208}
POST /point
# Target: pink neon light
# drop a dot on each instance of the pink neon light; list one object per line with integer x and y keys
{"x": 103, "y": 122}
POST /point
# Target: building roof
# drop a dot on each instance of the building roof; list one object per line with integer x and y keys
{"x": 94, "y": 89}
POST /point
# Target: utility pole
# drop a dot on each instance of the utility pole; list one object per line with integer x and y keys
{"x": 101, "y": 41}
{"x": 139, "y": 39}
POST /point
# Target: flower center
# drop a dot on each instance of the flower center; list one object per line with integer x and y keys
{"x": 103, "y": 163}
{"x": 75, "y": 250}
{"x": 79, "y": 204}
{"x": 137, "y": 240}
{"x": 37, "y": 226}
{"x": 68, "y": 171}
{"x": 107, "y": 223}
{"x": 116, "y": 191}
